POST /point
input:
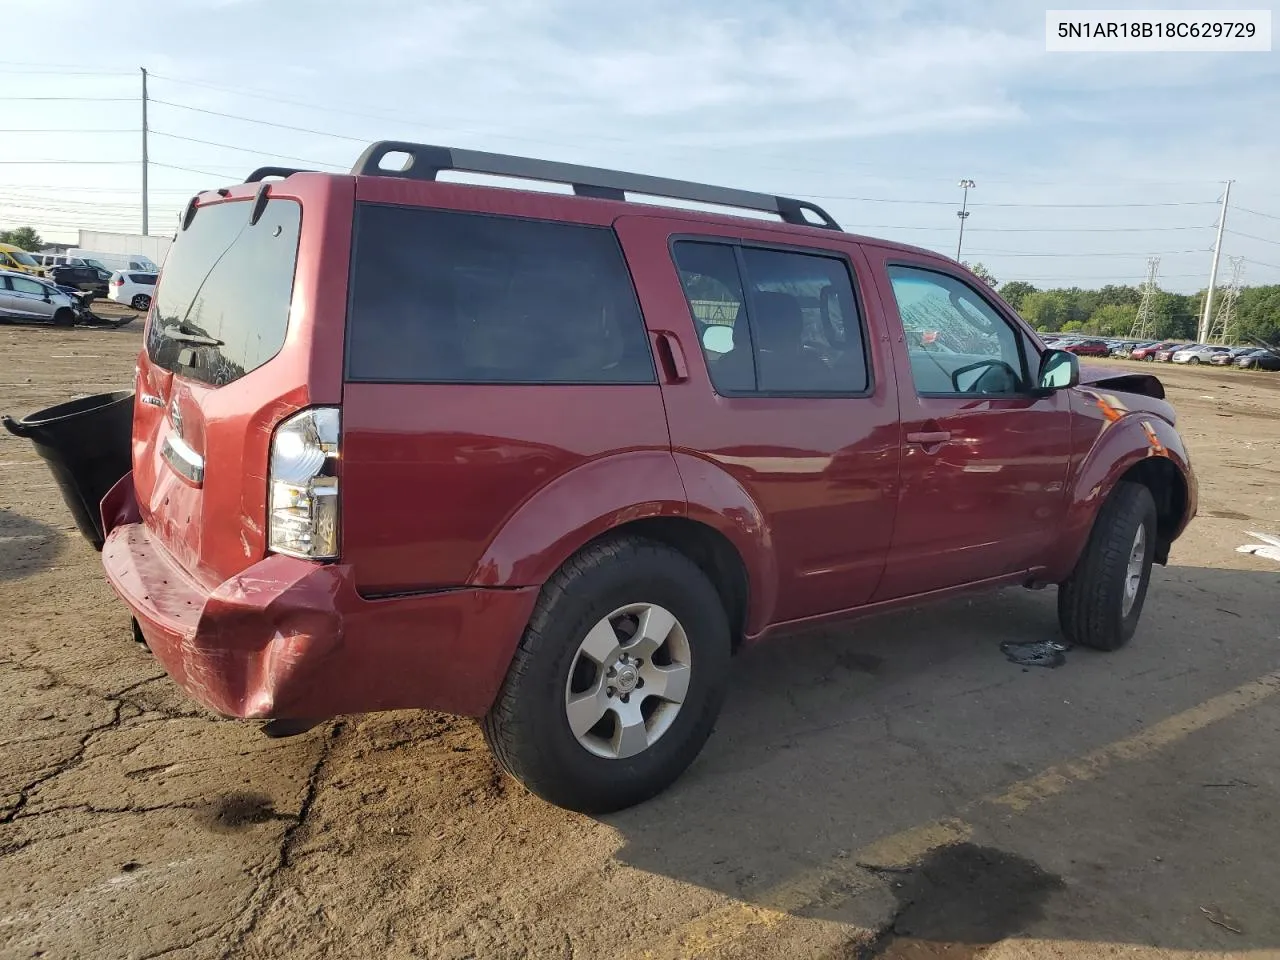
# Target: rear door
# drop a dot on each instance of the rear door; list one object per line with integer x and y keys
{"x": 984, "y": 459}
{"x": 786, "y": 391}
{"x": 489, "y": 355}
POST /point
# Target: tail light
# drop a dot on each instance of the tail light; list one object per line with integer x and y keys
{"x": 118, "y": 282}
{"x": 303, "y": 485}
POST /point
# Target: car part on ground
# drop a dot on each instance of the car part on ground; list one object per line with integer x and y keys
{"x": 85, "y": 444}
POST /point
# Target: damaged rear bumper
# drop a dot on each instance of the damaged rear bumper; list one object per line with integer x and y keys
{"x": 290, "y": 638}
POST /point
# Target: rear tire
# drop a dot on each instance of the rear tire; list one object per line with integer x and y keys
{"x": 1100, "y": 604}
{"x": 64, "y": 317}
{"x": 1193, "y": 360}
{"x": 141, "y": 302}
{"x": 596, "y": 594}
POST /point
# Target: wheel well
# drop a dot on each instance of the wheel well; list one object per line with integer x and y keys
{"x": 1169, "y": 490}
{"x": 711, "y": 551}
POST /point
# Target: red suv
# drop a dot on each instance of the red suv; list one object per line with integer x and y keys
{"x": 549, "y": 460}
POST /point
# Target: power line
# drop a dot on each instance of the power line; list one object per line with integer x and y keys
{"x": 203, "y": 173}
{"x": 70, "y": 162}
{"x": 65, "y": 130}
{"x": 265, "y": 123}
{"x": 1274, "y": 266}
{"x": 261, "y": 153}
{"x": 85, "y": 99}
{"x": 1250, "y": 236}
{"x": 1256, "y": 213}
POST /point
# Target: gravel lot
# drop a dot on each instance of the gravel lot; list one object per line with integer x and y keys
{"x": 893, "y": 789}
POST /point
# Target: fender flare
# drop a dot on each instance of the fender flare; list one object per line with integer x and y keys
{"x": 1134, "y": 438}
{"x": 610, "y": 492}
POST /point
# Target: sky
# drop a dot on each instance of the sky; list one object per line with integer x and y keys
{"x": 1084, "y": 164}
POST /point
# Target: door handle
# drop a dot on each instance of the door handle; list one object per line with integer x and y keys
{"x": 672, "y": 356}
{"x": 929, "y": 437}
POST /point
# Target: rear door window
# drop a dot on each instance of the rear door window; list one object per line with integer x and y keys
{"x": 146, "y": 279}
{"x": 446, "y": 297}
{"x": 223, "y": 309}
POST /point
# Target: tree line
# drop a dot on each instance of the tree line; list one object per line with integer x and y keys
{"x": 1111, "y": 310}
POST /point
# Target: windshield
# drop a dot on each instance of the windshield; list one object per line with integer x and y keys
{"x": 23, "y": 258}
{"x": 222, "y": 306}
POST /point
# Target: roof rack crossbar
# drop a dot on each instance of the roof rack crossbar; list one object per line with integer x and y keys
{"x": 425, "y": 161}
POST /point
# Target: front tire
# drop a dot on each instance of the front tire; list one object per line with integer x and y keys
{"x": 618, "y": 679}
{"x": 64, "y": 317}
{"x": 1100, "y": 604}
{"x": 1193, "y": 360}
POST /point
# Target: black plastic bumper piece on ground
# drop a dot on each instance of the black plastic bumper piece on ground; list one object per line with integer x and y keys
{"x": 86, "y": 445}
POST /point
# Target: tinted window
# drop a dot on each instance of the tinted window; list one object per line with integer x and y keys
{"x": 439, "y": 297}
{"x": 146, "y": 279}
{"x": 226, "y": 281}
{"x": 956, "y": 341}
{"x": 795, "y": 330}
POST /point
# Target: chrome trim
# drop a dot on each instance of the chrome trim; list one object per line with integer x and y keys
{"x": 152, "y": 400}
{"x": 185, "y": 461}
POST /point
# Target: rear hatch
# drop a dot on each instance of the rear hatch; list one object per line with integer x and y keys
{"x": 228, "y": 355}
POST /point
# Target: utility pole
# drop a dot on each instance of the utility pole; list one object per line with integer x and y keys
{"x": 1142, "y": 322}
{"x": 1203, "y": 332}
{"x": 146, "y": 220}
{"x": 963, "y": 213}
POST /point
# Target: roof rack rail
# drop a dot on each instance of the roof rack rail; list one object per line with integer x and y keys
{"x": 263, "y": 172}
{"x": 426, "y": 161}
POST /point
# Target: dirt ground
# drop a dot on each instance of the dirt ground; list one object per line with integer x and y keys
{"x": 894, "y": 789}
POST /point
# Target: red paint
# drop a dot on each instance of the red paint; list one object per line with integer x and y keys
{"x": 465, "y": 499}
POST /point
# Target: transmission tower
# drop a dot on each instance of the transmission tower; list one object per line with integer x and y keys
{"x": 1224, "y": 322}
{"x": 1141, "y": 329}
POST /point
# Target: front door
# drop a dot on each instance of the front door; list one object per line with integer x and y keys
{"x": 984, "y": 457}
{"x": 28, "y": 299}
{"x": 782, "y": 397}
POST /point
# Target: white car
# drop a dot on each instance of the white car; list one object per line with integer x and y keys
{"x": 1197, "y": 353}
{"x": 23, "y": 297}
{"x": 135, "y": 289}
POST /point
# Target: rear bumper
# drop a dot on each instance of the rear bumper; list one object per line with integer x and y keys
{"x": 289, "y": 638}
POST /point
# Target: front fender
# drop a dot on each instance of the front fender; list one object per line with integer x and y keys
{"x": 1120, "y": 446}
{"x": 557, "y": 520}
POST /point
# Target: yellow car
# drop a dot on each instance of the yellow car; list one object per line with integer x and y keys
{"x": 15, "y": 258}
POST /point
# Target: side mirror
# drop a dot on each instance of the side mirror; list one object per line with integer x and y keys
{"x": 1059, "y": 370}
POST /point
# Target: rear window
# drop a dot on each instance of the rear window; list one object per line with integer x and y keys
{"x": 223, "y": 309}
{"x": 146, "y": 279}
{"x": 445, "y": 297}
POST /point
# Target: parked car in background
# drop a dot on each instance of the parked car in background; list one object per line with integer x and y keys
{"x": 1165, "y": 353}
{"x": 1198, "y": 353}
{"x": 83, "y": 277}
{"x": 16, "y": 260}
{"x": 1148, "y": 350}
{"x": 1087, "y": 348}
{"x": 135, "y": 289}
{"x": 1229, "y": 357}
{"x": 1123, "y": 348}
{"x": 1260, "y": 359}
{"x": 112, "y": 262}
{"x": 489, "y": 469}
{"x": 27, "y": 298}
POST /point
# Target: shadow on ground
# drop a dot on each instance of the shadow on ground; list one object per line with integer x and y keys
{"x": 26, "y": 546}
{"x": 841, "y": 740}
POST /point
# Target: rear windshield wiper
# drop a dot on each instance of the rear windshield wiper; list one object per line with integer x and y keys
{"x": 181, "y": 333}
